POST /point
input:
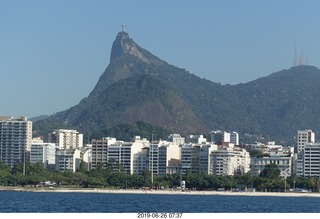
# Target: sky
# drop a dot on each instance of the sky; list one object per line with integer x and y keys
{"x": 52, "y": 52}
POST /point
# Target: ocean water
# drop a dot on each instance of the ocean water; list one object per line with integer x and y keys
{"x": 56, "y": 202}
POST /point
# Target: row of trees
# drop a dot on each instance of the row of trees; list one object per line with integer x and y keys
{"x": 269, "y": 179}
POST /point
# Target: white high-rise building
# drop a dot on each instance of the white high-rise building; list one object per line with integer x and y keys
{"x": 234, "y": 138}
{"x": 162, "y": 157}
{"x": 69, "y": 148}
{"x": 86, "y": 156}
{"x": 141, "y": 161}
{"x": 195, "y": 158}
{"x": 304, "y": 137}
{"x": 68, "y": 160}
{"x": 229, "y": 161}
{"x": 120, "y": 154}
{"x": 43, "y": 152}
{"x": 310, "y": 160}
{"x": 66, "y": 139}
{"x": 15, "y": 139}
{"x": 219, "y": 137}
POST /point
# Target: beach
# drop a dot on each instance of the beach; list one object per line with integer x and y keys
{"x": 163, "y": 192}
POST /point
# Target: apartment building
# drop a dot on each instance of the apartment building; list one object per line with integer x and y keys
{"x": 282, "y": 156}
{"x": 69, "y": 149}
{"x": 86, "y": 156}
{"x": 177, "y": 139}
{"x": 229, "y": 161}
{"x": 270, "y": 148}
{"x": 15, "y": 139}
{"x": 195, "y": 158}
{"x": 43, "y": 152}
{"x": 68, "y": 160}
{"x": 141, "y": 161}
{"x": 163, "y": 157}
{"x": 304, "y": 137}
{"x": 234, "y": 138}
{"x": 284, "y": 164}
{"x": 310, "y": 160}
{"x": 66, "y": 139}
{"x": 119, "y": 154}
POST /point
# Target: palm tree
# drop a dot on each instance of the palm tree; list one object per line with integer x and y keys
{"x": 313, "y": 183}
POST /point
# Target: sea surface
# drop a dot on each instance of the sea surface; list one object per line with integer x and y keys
{"x": 70, "y": 202}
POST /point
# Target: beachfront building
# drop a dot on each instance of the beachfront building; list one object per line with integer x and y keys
{"x": 284, "y": 164}
{"x": 43, "y": 152}
{"x": 86, "y": 156}
{"x": 271, "y": 153}
{"x": 159, "y": 157}
{"x": 195, "y": 158}
{"x": 68, "y": 160}
{"x": 163, "y": 157}
{"x": 15, "y": 139}
{"x": 99, "y": 152}
{"x": 141, "y": 161}
{"x": 111, "y": 153}
{"x": 205, "y": 151}
{"x": 309, "y": 158}
{"x": 303, "y": 137}
{"x": 120, "y": 155}
{"x": 229, "y": 161}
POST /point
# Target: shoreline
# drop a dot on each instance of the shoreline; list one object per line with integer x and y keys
{"x": 163, "y": 192}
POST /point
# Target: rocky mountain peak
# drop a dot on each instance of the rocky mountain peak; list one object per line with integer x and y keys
{"x": 124, "y": 45}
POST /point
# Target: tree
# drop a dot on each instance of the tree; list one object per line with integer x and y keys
{"x": 270, "y": 171}
{"x": 313, "y": 183}
{"x": 256, "y": 153}
{"x": 79, "y": 178}
{"x": 83, "y": 166}
{"x": 112, "y": 165}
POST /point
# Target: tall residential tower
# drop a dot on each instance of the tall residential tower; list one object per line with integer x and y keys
{"x": 15, "y": 139}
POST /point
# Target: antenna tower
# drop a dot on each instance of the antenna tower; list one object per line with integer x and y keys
{"x": 301, "y": 62}
{"x": 295, "y": 56}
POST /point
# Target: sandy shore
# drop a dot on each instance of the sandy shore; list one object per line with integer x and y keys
{"x": 165, "y": 192}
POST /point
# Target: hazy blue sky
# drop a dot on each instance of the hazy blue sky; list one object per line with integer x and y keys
{"x": 53, "y": 52}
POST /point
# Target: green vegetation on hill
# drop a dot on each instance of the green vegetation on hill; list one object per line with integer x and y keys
{"x": 126, "y": 132}
{"x": 122, "y": 131}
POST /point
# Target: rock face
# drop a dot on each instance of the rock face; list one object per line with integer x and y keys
{"x": 127, "y": 59}
{"x": 124, "y": 45}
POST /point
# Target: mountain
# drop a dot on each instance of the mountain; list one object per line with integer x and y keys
{"x": 283, "y": 102}
{"x": 137, "y": 86}
{"x": 38, "y": 118}
{"x": 132, "y": 88}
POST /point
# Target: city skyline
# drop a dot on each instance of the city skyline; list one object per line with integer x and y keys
{"x": 55, "y": 52}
